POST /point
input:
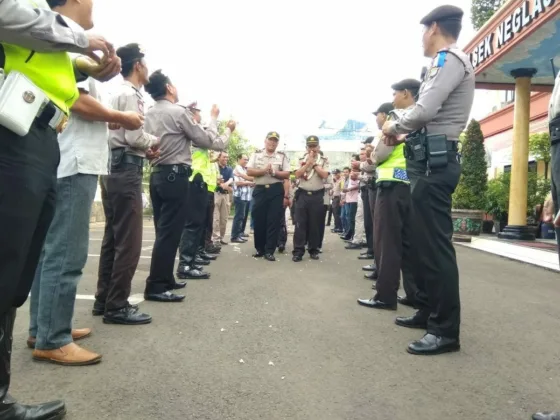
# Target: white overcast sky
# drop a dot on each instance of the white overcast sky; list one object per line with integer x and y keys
{"x": 278, "y": 65}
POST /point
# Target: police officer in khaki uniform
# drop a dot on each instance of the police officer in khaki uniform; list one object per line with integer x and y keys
{"x": 392, "y": 228}
{"x": 313, "y": 170}
{"x": 269, "y": 168}
{"x": 121, "y": 193}
{"x": 170, "y": 188}
{"x": 438, "y": 118}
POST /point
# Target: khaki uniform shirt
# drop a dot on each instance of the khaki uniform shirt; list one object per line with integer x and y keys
{"x": 135, "y": 142}
{"x": 445, "y": 97}
{"x": 261, "y": 159}
{"x": 39, "y": 30}
{"x": 177, "y": 130}
{"x": 315, "y": 182}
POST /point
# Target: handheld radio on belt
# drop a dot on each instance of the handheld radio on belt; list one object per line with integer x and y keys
{"x": 22, "y": 103}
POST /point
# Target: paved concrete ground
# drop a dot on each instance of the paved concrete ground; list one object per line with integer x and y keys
{"x": 331, "y": 358}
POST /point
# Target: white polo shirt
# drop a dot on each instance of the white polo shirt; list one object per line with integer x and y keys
{"x": 84, "y": 147}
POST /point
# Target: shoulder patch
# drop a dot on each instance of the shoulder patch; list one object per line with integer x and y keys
{"x": 439, "y": 61}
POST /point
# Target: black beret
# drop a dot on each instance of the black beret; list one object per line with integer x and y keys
{"x": 273, "y": 135}
{"x": 336, "y": 171}
{"x": 130, "y": 52}
{"x": 407, "y": 84}
{"x": 443, "y": 13}
{"x": 384, "y": 108}
{"x": 312, "y": 141}
{"x": 369, "y": 140}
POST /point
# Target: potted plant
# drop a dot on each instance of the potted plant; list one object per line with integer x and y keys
{"x": 468, "y": 199}
{"x": 497, "y": 197}
{"x": 497, "y": 200}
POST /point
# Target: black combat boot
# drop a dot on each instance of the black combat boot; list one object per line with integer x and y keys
{"x": 9, "y": 408}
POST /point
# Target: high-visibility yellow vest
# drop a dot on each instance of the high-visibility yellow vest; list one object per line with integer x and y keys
{"x": 53, "y": 73}
{"x": 394, "y": 168}
{"x": 201, "y": 165}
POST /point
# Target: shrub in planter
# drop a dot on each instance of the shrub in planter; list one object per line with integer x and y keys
{"x": 497, "y": 196}
{"x": 468, "y": 199}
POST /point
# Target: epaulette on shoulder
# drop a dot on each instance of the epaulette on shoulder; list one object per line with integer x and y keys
{"x": 281, "y": 153}
{"x": 258, "y": 151}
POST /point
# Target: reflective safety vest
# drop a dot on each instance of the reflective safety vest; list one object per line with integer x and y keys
{"x": 53, "y": 73}
{"x": 201, "y": 165}
{"x": 394, "y": 168}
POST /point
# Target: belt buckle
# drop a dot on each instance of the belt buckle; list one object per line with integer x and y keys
{"x": 309, "y": 193}
{"x": 267, "y": 186}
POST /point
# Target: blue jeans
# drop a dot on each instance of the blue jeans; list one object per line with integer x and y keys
{"x": 344, "y": 217}
{"x": 240, "y": 210}
{"x": 62, "y": 260}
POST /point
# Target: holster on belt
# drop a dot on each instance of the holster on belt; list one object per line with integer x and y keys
{"x": 432, "y": 148}
{"x": 555, "y": 130}
{"x": 117, "y": 155}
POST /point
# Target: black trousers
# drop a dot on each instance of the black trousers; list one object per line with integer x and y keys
{"x": 193, "y": 229}
{"x": 555, "y": 183}
{"x": 121, "y": 193}
{"x": 310, "y": 216}
{"x": 27, "y": 203}
{"x": 435, "y": 267}
{"x": 283, "y": 233}
{"x": 368, "y": 221}
{"x": 329, "y": 214}
{"x": 336, "y": 209}
{"x": 393, "y": 241}
{"x": 28, "y": 168}
{"x": 372, "y": 198}
{"x": 206, "y": 238}
{"x": 268, "y": 205}
{"x": 323, "y": 220}
{"x": 169, "y": 194}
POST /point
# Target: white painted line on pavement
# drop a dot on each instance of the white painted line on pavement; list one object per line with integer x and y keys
{"x": 142, "y": 257}
{"x": 133, "y": 299}
{"x": 99, "y": 240}
{"x": 148, "y": 248}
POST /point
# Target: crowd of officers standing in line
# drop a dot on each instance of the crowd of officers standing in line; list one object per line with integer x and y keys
{"x": 415, "y": 161}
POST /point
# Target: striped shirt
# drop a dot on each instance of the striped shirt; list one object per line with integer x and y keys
{"x": 245, "y": 191}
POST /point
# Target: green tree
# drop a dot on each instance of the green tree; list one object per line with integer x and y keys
{"x": 539, "y": 147}
{"x": 482, "y": 10}
{"x": 238, "y": 144}
{"x": 469, "y": 194}
{"x": 497, "y": 195}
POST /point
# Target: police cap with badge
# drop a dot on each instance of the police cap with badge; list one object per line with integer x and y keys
{"x": 273, "y": 135}
{"x": 312, "y": 141}
{"x": 384, "y": 108}
{"x": 411, "y": 85}
{"x": 441, "y": 14}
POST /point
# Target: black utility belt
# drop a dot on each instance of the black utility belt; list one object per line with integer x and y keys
{"x": 390, "y": 184}
{"x": 179, "y": 169}
{"x": 555, "y": 130}
{"x": 267, "y": 185}
{"x": 431, "y": 149}
{"x": 222, "y": 192}
{"x": 119, "y": 157}
{"x": 305, "y": 192}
